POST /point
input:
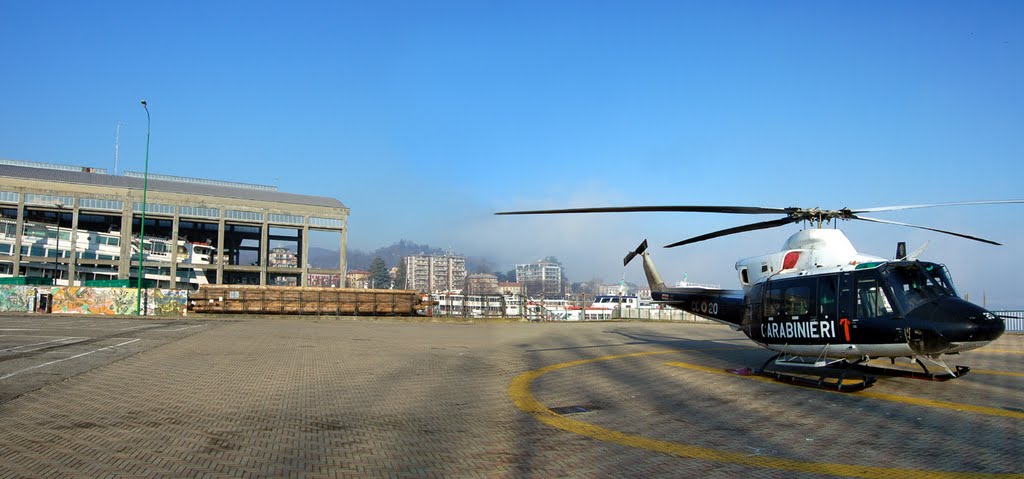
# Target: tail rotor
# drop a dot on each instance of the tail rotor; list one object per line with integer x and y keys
{"x": 632, "y": 254}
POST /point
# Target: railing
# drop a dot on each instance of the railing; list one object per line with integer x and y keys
{"x": 1014, "y": 320}
{"x": 668, "y": 314}
{"x": 497, "y": 306}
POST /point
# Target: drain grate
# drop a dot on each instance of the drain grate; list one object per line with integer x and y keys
{"x": 578, "y": 409}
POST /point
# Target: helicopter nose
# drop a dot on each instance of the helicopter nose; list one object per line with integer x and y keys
{"x": 951, "y": 325}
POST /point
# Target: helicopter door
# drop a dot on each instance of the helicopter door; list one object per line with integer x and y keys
{"x": 846, "y": 302}
{"x": 827, "y": 299}
{"x": 845, "y": 294}
{"x": 866, "y": 312}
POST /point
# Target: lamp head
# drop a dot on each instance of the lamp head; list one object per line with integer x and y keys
{"x": 143, "y": 103}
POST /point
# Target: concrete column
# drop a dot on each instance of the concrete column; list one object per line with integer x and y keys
{"x": 74, "y": 245}
{"x": 174, "y": 250}
{"x": 304, "y": 255}
{"x": 264, "y": 250}
{"x": 18, "y": 235}
{"x": 124, "y": 267}
{"x": 220, "y": 249}
{"x": 342, "y": 264}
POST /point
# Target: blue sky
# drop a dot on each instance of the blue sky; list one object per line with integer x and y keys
{"x": 426, "y": 117}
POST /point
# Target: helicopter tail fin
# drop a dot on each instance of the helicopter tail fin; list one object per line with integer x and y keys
{"x": 653, "y": 278}
{"x": 632, "y": 254}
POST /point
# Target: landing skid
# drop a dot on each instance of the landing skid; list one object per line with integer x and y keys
{"x": 820, "y": 381}
{"x": 925, "y": 374}
{"x": 841, "y": 382}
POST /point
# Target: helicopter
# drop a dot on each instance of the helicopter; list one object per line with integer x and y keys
{"x": 819, "y": 303}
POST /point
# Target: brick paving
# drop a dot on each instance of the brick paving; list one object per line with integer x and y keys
{"x": 336, "y": 398}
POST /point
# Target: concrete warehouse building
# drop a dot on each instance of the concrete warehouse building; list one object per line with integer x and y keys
{"x": 78, "y": 223}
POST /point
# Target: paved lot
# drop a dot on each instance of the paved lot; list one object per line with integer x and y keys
{"x": 39, "y": 350}
{"x": 337, "y": 398}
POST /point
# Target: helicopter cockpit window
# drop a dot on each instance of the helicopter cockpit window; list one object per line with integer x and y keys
{"x": 913, "y": 285}
{"x": 871, "y": 299}
{"x": 827, "y": 296}
{"x": 788, "y": 300}
{"x": 940, "y": 274}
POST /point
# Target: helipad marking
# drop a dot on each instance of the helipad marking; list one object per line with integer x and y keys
{"x": 992, "y": 411}
{"x": 519, "y": 392}
{"x": 1005, "y": 351}
{"x": 35, "y": 344}
{"x": 15, "y": 373}
{"x": 997, "y": 373}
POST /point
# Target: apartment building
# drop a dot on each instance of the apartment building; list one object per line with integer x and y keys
{"x": 430, "y": 273}
{"x": 541, "y": 279}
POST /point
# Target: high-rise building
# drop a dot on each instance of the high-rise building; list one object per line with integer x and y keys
{"x": 542, "y": 279}
{"x": 430, "y": 273}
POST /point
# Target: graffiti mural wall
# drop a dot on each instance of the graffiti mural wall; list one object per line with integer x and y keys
{"x": 79, "y": 300}
{"x": 20, "y": 299}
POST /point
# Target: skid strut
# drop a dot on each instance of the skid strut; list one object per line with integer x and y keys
{"x": 925, "y": 375}
{"x": 840, "y": 383}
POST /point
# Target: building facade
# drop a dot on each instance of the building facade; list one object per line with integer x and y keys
{"x": 510, "y": 289}
{"x": 283, "y": 258}
{"x": 76, "y": 224}
{"x": 432, "y": 273}
{"x": 358, "y": 279}
{"x": 481, "y": 283}
{"x": 542, "y": 279}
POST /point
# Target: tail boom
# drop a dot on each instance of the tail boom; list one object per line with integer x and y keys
{"x": 721, "y": 305}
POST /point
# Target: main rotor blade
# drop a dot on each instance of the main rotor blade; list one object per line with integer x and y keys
{"x": 746, "y": 210}
{"x": 876, "y": 220}
{"x": 910, "y": 207}
{"x": 737, "y": 229}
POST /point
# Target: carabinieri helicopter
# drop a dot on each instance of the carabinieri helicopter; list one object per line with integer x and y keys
{"x": 819, "y": 303}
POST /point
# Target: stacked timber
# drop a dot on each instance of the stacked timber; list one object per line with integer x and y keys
{"x": 227, "y": 298}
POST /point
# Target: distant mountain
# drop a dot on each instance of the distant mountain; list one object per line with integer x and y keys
{"x": 324, "y": 258}
{"x": 393, "y": 254}
{"x": 358, "y": 259}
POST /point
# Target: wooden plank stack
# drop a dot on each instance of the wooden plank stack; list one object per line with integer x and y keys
{"x": 247, "y": 299}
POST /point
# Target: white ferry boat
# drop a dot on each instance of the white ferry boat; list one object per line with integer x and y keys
{"x": 98, "y": 253}
{"x": 610, "y": 301}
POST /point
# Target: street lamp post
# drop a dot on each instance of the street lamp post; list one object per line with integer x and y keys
{"x": 142, "y": 224}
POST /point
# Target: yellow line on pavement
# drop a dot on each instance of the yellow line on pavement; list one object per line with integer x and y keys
{"x": 519, "y": 392}
{"x": 992, "y": 411}
{"x": 997, "y": 373}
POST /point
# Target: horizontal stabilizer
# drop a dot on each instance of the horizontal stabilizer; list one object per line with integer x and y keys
{"x": 632, "y": 254}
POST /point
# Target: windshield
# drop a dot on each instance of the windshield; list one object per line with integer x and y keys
{"x": 940, "y": 274}
{"x": 912, "y": 284}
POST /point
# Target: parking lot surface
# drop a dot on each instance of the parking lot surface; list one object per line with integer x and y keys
{"x": 342, "y": 398}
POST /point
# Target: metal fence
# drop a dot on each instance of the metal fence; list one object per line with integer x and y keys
{"x": 670, "y": 314}
{"x": 1014, "y": 320}
{"x": 497, "y": 306}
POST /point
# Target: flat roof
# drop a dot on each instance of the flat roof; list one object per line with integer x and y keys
{"x": 101, "y": 179}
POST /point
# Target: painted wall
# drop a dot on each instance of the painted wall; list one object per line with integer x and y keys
{"x": 81, "y": 300}
{"x": 21, "y": 299}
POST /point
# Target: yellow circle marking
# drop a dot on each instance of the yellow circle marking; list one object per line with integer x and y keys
{"x": 519, "y": 391}
{"x": 992, "y": 411}
{"x": 997, "y": 351}
{"x": 997, "y": 373}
